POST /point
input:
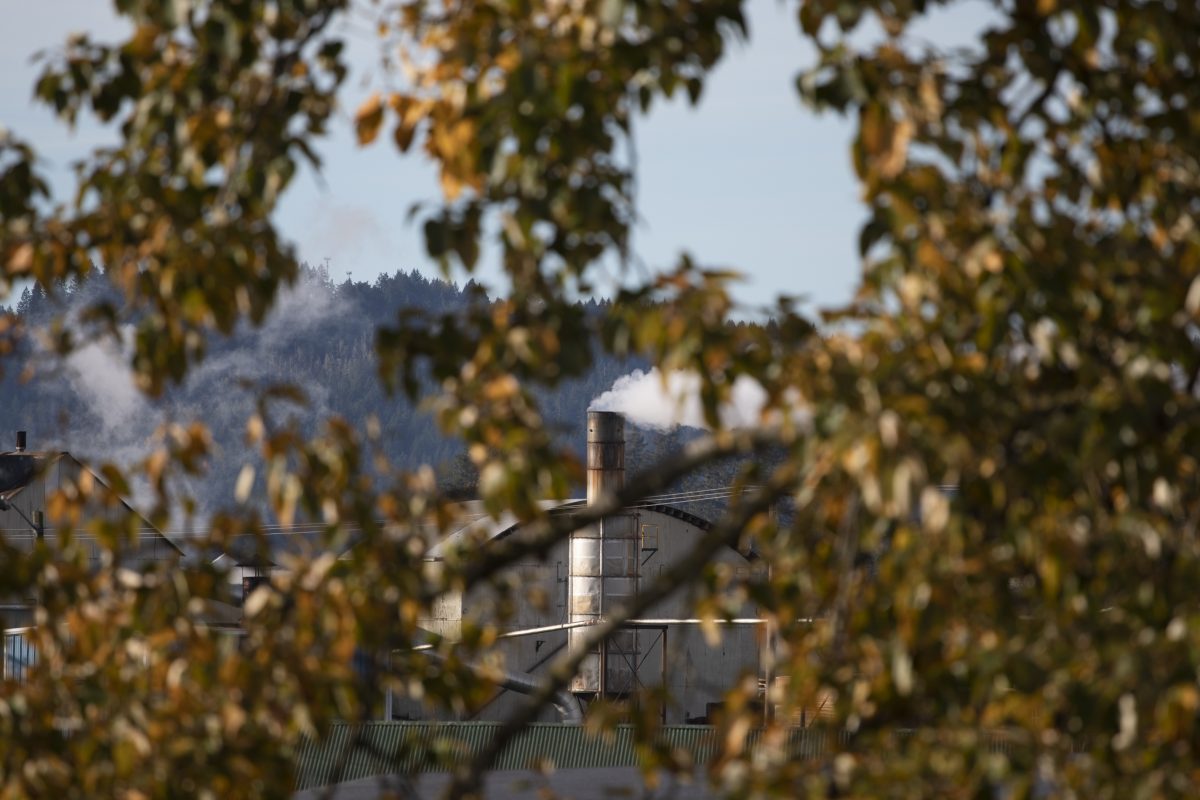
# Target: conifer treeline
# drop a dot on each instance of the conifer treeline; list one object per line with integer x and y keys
{"x": 320, "y": 339}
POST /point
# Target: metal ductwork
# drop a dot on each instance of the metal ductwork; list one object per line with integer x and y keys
{"x": 564, "y": 703}
{"x": 603, "y": 569}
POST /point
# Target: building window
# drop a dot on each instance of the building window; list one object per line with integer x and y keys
{"x": 620, "y": 557}
{"x": 649, "y": 536}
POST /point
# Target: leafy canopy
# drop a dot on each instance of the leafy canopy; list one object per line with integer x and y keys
{"x": 1025, "y": 331}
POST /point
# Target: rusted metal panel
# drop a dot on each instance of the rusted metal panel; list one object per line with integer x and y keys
{"x": 587, "y": 677}
{"x": 585, "y": 599}
{"x": 605, "y": 453}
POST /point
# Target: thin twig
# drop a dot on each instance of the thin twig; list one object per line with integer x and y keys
{"x": 539, "y": 536}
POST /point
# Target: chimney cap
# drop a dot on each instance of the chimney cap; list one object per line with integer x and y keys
{"x": 605, "y": 453}
{"x": 605, "y": 426}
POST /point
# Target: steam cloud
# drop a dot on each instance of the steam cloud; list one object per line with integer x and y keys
{"x": 121, "y": 423}
{"x": 99, "y": 373}
{"x": 646, "y": 399}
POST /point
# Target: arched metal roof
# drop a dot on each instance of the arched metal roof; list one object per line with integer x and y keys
{"x": 571, "y": 506}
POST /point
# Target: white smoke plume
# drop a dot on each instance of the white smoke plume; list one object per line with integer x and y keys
{"x": 99, "y": 373}
{"x": 649, "y": 400}
{"x": 121, "y": 422}
{"x": 298, "y": 310}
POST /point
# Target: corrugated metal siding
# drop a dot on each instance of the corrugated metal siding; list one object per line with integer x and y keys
{"x": 20, "y": 656}
{"x": 59, "y": 472}
{"x": 382, "y": 748}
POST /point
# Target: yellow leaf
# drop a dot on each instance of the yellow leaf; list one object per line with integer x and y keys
{"x": 256, "y": 602}
{"x": 708, "y": 627}
{"x": 233, "y": 717}
{"x": 21, "y": 260}
{"x": 245, "y": 483}
{"x": 451, "y": 186}
{"x": 871, "y": 129}
{"x": 1192, "y": 302}
{"x": 931, "y": 101}
{"x": 508, "y": 59}
{"x": 410, "y": 110}
{"x": 143, "y": 42}
{"x": 368, "y": 119}
{"x": 735, "y": 736}
{"x": 893, "y": 159}
{"x": 403, "y": 136}
{"x": 501, "y": 388}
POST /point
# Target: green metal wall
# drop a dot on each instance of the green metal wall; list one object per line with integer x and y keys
{"x": 382, "y": 748}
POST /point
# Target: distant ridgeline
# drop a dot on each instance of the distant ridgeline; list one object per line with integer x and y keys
{"x": 320, "y": 339}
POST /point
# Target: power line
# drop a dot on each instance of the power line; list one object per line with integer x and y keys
{"x": 314, "y": 528}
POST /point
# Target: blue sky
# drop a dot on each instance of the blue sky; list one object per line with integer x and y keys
{"x": 749, "y": 180}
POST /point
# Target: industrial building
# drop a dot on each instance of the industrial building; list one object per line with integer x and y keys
{"x": 597, "y": 569}
{"x": 29, "y": 483}
{"x": 563, "y": 594}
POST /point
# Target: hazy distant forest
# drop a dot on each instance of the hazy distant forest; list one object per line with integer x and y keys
{"x": 320, "y": 339}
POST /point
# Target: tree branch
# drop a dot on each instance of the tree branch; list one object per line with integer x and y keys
{"x": 847, "y": 546}
{"x": 539, "y": 536}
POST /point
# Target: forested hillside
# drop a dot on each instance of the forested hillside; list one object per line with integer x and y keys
{"x": 320, "y": 339}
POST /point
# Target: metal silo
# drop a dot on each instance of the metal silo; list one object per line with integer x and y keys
{"x": 604, "y": 565}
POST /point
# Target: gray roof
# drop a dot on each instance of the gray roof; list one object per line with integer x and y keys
{"x": 17, "y": 470}
{"x": 474, "y": 521}
{"x": 270, "y": 547}
{"x": 267, "y": 549}
{"x": 20, "y": 474}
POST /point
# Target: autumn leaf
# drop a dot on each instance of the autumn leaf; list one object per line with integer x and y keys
{"x": 21, "y": 259}
{"x": 368, "y": 119}
{"x": 894, "y": 154}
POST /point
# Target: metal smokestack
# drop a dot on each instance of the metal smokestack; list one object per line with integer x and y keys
{"x": 20, "y": 441}
{"x": 604, "y": 565}
{"x": 605, "y": 453}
